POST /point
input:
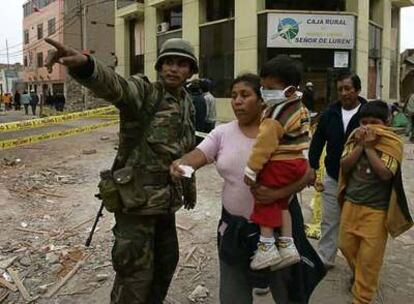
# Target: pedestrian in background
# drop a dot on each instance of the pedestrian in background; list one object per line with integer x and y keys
{"x": 409, "y": 112}
{"x": 334, "y": 128}
{"x": 17, "y": 101}
{"x": 211, "y": 116}
{"x": 200, "y": 106}
{"x": 26, "y": 102}
{"x": 309, "y": 96}
{"x": 60, "y": 102}
{"x": 8, "y": 101}
{"x": 34, "y": 101}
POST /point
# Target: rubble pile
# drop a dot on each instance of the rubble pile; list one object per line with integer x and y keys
{"x": 48, "y": 251}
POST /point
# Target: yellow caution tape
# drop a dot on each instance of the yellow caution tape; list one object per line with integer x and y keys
{"x": 41, "y": 122}
{"x": 107, "y": 116}
{"x": 17, "y": 142}
{"x": 313, "y": 229}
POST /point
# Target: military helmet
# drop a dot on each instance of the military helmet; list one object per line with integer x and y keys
{"x": 177, "y": 47}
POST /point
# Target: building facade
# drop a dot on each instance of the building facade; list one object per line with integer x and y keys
{"x": 86, "y": 25}
{"x": 236, "y": 36}
{"x": 10, "y": 78}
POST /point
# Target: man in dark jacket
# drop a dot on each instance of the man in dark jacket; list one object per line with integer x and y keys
{"x": 60, "y": 102}
{"x": 308, "y": 96}
{"x": 34, "y": 100}
{"x": 334, "y": 127}
{"x": 17, "y": 103}
{"x": 200, "y": 106}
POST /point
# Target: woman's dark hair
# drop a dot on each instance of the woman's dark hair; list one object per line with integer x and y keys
{"x": 284, "y": 68}
{"x": 356, "y": 81}
{"x": 249, "y": 79}
{"x": 377, "y": 109}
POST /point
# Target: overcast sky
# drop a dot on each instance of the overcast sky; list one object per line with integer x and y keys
{"x": 11, "y": 14}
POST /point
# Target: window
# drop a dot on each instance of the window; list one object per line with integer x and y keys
{"x": 174, "y": 17}
{"x": 25, "y": 61}
{"x": 217, "y": 55}
{"x": 374, "y": 69}
{"x": 51, "y": 26}
{"x": 40, "y": 31}
{"x": 374, "y": 41}
{"x": 39, "y": 60}
{"x": 374, "y": 10}
{"x": 136, "y": 42}
{"x": 27, "y": 9}
{"x": 219, "y": 9}
{"x": 315, "y": 5}
{"x": 26, "y": 36}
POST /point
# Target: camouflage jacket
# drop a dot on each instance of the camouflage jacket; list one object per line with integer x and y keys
{"x": 156, "y": 127}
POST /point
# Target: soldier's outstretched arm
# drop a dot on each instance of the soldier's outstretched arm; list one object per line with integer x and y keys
{"x": 101, "y": 80}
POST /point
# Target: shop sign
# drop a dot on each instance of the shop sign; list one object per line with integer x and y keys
{"x": 310, "y": 31}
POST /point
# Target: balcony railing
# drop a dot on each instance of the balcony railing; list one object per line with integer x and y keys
{"x": 123, "y": 3}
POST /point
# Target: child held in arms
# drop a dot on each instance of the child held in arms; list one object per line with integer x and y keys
{"x": 277, "y": 159}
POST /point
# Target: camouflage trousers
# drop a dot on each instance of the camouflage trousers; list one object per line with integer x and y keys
{"x": 144, "y": 256}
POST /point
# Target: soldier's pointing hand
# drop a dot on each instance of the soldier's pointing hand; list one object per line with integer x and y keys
{"x": 64, "y": 55}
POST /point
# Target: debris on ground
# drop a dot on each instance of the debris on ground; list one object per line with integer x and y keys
{"x": 88, "y": 152}
{"x": 67, "y": 277}
{"x": 199, "y": 294}
{"x": 16, "y": 279}
{"x": 10, "y": 162}
{"x": 7, "y": 262}
{"x": 47, "y": 249}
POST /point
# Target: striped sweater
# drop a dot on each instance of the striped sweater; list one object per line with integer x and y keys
{"x": 283, "y": 134}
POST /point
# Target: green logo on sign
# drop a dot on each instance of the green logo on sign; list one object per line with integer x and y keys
{"x": 288, "y": 28}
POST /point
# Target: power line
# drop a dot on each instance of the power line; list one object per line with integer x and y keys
{"x": 38, "y": 42}
{"x": 22, "y": 43}
{"x": 61, "y": 22}
{"x": 76, "y": 8}
{"x": 66, "y": 21}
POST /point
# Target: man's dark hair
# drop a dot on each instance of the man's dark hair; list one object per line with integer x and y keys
{"x": 250, "y": 80}
{"x": 284, "y": 68}
{"x": 205, "y": 85}
{"x": 356, "y": 81}
{"x": 377, "y": 109}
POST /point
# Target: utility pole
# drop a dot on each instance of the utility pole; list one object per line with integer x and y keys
{"x": 8, "y": 67}
{"x": 80, "y": 4}
{"x": 7, "y": 48}
{"x": 82, "y": 22}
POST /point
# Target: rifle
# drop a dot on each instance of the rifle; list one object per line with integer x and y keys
{"x": 98, "y": 215}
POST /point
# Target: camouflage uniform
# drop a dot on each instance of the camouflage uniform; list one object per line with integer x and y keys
{"x": 145, "y": 253}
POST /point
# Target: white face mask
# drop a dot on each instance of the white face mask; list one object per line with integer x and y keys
{"x": 274, "y": 97}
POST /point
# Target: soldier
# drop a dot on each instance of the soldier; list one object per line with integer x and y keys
{"x": 156, "y": 127}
